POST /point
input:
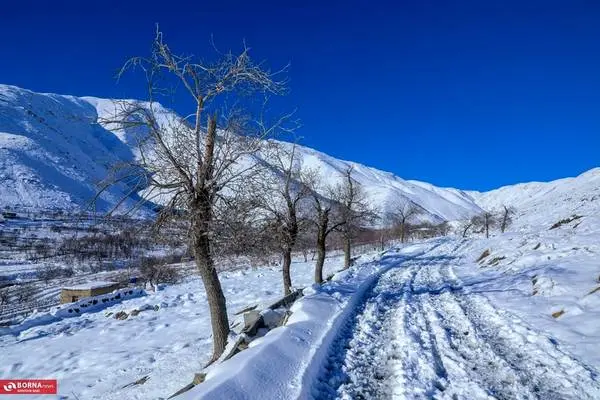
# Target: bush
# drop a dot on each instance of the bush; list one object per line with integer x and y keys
{"x": 51, "y": 272}
{"x": 155, "y": 271}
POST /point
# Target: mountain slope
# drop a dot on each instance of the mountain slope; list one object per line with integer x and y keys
{"x": 543, "y": 203}
{"x": 53, "y": 150}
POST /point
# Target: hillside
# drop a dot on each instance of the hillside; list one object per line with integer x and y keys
{"x": 53, "y": 150}
{"x": 541, "y": 203}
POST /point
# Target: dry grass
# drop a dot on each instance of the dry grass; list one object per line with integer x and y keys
{"x": 565, "y": 221}
{"x": 483, "y": 255}
{"x": 557, "y": 314}
{"x": 494, "y": 261}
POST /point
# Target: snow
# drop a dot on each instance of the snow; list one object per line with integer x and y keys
{"x": 55, "y": 148}
{"x": 90, "y": 285}
{"x": 70, "y": 310}
{"x": 273, "y": 366}
{"x": 93, "y": 355}
{"x": 429, "y": 321}
{"x": 540, "y": 204}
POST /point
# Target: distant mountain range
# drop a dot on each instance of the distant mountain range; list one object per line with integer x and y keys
{"x": 53, "y": 150}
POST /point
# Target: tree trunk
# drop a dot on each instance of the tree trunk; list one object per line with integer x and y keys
{"x": 504, "y": 220}
{"x": 347, "y": 251}
{"x": 214, "y": 295}
{"x": 210, "y": 279}
{"x": 287, "y": 278}
{"x": 487, "y": 227}
{"x": 464, "y": 235}
{"x": 321, "y": 238}
{"x": 402, "y": 232}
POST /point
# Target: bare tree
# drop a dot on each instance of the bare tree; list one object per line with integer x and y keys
{"x": 400, "y": 212}
{"x": 466, "y": 225}
{"x": 155, "y": 271}
{"x": 354, "y": 211}
{"x": 485, "y": 221}
{"x": 506, "y": 217}
{"x": 53, "y": 271}
{"x": 195, "y": 165}
{"x": 327, "y": 217}
{"x": 4, "y": 297}
{"x": 281, "y": 192}
{"x": 26, "y": 293}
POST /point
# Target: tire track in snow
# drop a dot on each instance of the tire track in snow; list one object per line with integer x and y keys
{"x": 420, "y": 335}
{"x": 550, "y": 373}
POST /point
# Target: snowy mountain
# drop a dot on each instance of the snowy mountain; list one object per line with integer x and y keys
{"x": 53, "y": 150}
{"x": 541, "y": 203}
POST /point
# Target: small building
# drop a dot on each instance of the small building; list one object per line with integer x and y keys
{"x": 71, "y": 294}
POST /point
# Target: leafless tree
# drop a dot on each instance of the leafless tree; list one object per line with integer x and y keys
{"x": 53, "y": 271}
{"x": 4, "y": 297}
{"x": 281, "y": 194}
{"x": 26, "y": 292}
{"x": 465, "y": 226}
{"x": 354, "y": 211}
{"x": 505, "y": 217}
{"x": 155, "y": 271}
{"x": 326, "y": 216}
{"x": 400, "y": 213}
{"x": 195, "y": 165}
{"x": 442, "y": 229}
{"x": 485, "y": 221}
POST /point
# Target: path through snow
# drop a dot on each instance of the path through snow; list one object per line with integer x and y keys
{"x": 420, "y": 334}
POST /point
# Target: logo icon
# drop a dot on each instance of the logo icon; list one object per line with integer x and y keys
{"x": 10, "y": 386}
{"x": 28, "y": 386}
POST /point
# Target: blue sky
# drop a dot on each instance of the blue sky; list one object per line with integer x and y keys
{"x": 469, "y": 94}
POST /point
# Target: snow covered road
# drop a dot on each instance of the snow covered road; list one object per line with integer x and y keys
{"x": 422, "y": 334}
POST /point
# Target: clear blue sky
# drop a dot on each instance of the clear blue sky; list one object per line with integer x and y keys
{"x": 470, "y": 94}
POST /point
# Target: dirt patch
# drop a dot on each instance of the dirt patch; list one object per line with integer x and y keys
{"x": 557, "y": 314}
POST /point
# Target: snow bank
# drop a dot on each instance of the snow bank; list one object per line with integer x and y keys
{"x": 281, "y": 364}
{"x": 88, "y": 304}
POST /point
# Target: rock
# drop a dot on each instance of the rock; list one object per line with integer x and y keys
{"x": 121, "y": 315}
{"x": 199, "y": 378}
{"x": 250, "y": 318}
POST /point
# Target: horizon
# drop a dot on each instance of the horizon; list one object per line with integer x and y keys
{"x": 525, "y": 75}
